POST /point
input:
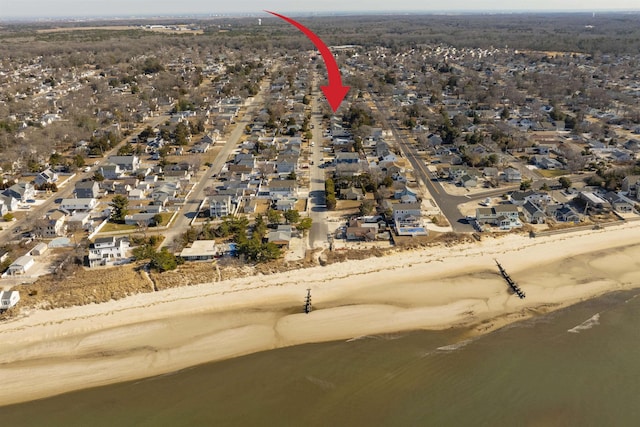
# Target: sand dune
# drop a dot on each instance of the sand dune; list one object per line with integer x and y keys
{"x": 50, "y": 352}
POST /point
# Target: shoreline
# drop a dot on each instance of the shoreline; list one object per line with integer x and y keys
{"x": 49, "y": 352}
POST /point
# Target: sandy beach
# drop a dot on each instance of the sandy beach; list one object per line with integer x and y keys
{"x": 50, "y": 352}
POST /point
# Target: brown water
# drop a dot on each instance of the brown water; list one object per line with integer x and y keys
{"x": 577, "y": 367}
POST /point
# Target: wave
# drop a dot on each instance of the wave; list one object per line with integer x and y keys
{"x": 587, "y": 324}
{"x": 456, "y": 346}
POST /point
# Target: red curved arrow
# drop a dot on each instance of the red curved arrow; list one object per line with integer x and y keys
{"x": 335, "y": 91}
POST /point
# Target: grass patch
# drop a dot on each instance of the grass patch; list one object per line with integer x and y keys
{"x": 552, "y": 173}
{"x": 111, "y": 227}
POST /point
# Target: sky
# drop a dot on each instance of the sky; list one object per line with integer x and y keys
{"x": 124, "y": 8}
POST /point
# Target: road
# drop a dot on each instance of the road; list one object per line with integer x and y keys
{"x": 191, "y": 206}
{"x": 447, "y": 203}
{"x": 317, "y": 201}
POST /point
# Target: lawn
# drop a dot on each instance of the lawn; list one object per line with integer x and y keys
{"x": 552, "y": 173}
{"x": 112, "y": 227}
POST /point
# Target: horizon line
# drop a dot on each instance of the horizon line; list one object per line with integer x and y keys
{"x": 258, "y": 14}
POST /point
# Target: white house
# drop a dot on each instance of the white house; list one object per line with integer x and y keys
{"x": 107, "y": 251}
{"x": 126, "y": 163}
{"x": 9, "y": 299}
{"x": 408, "y": 219}
{"x": 21, "y": 265}
{"x": 201, "y": 250}
{"x": 220, "y": 206}
{"x": 71, "y": 205}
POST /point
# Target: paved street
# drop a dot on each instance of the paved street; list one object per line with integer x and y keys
{"x": 317, "y": 203}
{"x": 190, "y": 208}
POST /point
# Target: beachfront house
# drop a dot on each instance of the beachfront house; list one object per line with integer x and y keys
{"x": 503, "y": 216}
{"x": 201, "y": 250}
{"x": 107, "y": 251}
{"x": 9, "y": 299}
{"x": 407, "y": 218}
{"x": 21, "y": 266}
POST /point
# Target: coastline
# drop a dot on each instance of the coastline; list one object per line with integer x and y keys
{"x": 48, "y": 352}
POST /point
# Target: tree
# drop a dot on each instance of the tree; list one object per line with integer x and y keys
{"x": 182, "y": 133}
{"x": 98, "y": 177}
{"x": 525, "y": 185}
{"x": 565, "y": 182}
{"x": 504, "y": 114}
{"x": 292, "y": 216}
{"x": 366, "y": 207}
{"x": 304, "y": 225}
{"x": 157, "y": 219}
{"x": 259, "y": 228}
{"x": 163, "y": 261}
{"x": 78, "y": 160}
{"x": 273, "y": 216}
{"x": 119, "y": 204}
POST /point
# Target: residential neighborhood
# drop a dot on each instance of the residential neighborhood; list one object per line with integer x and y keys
{"x": 430, "y": 146}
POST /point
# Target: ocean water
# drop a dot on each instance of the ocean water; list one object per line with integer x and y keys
{"x": 576, "y": 367}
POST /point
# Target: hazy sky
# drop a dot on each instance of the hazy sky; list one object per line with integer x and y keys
{"x": 57, "y": 8}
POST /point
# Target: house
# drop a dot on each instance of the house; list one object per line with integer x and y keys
{"x": 533, "y": 214}
{"x": 407, "y": 218}
{"x": 220, "y": 206}
{"x": 21, "y": 265}
{"x": 512, "y": 175}
{"x": 52, "y": 225}
{"x": 360, "y": 234}
{"x": 503, "y": 216}
{"x": 71, "y": 205}
{"x": 349, "y": 169}
{"x": 79, "y": 221}
{"x": 126, "y": 163}
{"x": 563, "y": 213}
{"x": 631, "y": 185}
{"x": 593, "y": 200}
{"x": 9, "y": 299}
{"x": 349, "y": 158}
{"x": 137, "y": 194}
{"x": 87, "y": 190}
{"x": 284, "y": 205}
{"x": 286, "y": 164}
{"x": 145, "y": 219}
{"x": 619, "y": 203}
{"x": 107, "y": 251}
{"x": 283, "y": 189}
{"x": 47, "y": 176}
{"x": 281, "y": 237}
{"x": 8, "y": 204}
{"x": 202, "y": 147}
{"x": 519, "y": 198}
{"x": 490, "y": 172}
{"x": 201, "y": 250}
{"x": 39, "y": 249}
{"x": 21, "y": 191}
{"x": 468, "y": 181}
{"x": 351, "y": 193}
{"x": 111, "y": 171}
{"x": 546, "y": 162}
